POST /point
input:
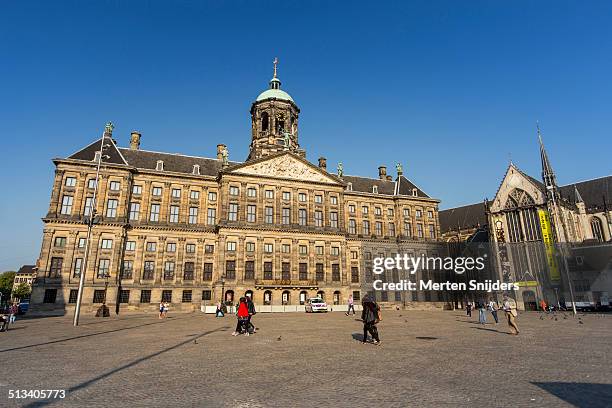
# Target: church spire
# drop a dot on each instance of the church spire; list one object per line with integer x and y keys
{"x": 275, "y": 83}
{"x": 577, "y": 195}
{"x": 548, "y": 175}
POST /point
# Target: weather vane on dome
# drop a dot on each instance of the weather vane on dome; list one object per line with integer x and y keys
{"x": 275, "y": 64}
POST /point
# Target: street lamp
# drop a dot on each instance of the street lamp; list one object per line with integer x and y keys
{"x": 90, "y": 221}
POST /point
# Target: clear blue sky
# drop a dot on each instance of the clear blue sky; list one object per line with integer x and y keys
{"x": 448, "y": 88}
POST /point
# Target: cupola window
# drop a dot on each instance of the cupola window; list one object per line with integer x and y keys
{"x": 196, "y": 169}
{"x": 160, "y": 165}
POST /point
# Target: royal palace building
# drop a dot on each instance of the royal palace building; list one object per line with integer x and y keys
{"x": 194, "y": 231}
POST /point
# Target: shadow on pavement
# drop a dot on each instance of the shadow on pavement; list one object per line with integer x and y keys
{"x": 81, "y": 336}
{"x": 121, "y": 368}
{"x": 357, "y": 336}
{"x": 581, "y": 395}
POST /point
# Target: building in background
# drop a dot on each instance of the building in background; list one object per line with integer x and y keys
{"x": 194, "y": 231}
{"x": 26, "y": 274}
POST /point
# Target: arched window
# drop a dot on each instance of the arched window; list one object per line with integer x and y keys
{"x": 249, "y": 294}
{"x": 286, "y": 297}
{"x": 597, "y": 229}
{"x": 337, "y": 297}
{"x": 265, "y": 121}
{"x": 321, "y": 294}
{"x": 267, "y": 297}
{"x": 303, "y": 297}
{"x": 280, "y": 123}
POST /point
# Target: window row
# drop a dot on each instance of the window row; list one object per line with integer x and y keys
{"x": 286, "y": 195}
{"x": 251, "y": 216}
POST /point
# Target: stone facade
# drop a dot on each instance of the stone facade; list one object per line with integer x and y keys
{"x": 195, "y": 230}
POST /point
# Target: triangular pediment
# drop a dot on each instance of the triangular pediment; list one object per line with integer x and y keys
{"x": 517, "y": 188}
{"x": 285, "y": 166}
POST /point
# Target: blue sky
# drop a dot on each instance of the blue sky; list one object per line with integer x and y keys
{"x": 449, "y": 89}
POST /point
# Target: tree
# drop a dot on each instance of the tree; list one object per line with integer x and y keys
{"x": 21, "y": 291}
{"x": 6, "y": 284}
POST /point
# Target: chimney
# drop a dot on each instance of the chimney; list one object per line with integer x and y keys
{"x": 382, "y": 172}
{"x": 323, "y": 163}
{"x": 389, "y": 178}
{"x": 220, "y": 148}
{"x": 135, "y": 141}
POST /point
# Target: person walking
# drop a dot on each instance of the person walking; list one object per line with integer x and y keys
{"x": 351, "y": 305}
{"x": 370, "y": 315}
{"x": 511, "y": 313}
{"x": 242, "y": 315}
{"x": 250, "y": 328}
{"x": 482, "y": 316}
{"x": 492, "y": 306}
{"x": 543, "y": 306}
{"x": 161, "y": 309}
{"x": 468, "y": 309}
{"x": 13, "y": 310}
{"x": 165, "y": 309}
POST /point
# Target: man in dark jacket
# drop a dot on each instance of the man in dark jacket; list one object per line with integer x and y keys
{"x": 369, "y": 316}
{"x": 251, "y": 306}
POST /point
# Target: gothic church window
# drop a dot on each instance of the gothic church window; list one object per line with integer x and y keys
{"x": 597, "y": 229}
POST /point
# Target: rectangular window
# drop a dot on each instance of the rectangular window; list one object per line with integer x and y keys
{"x": 319, "y": 199}
{"x": 91, "y": 184}
{"x": 351, "y": 208}
{"x": 269, "y": 194}
{"x": 209, "y": 249}
{"x": 391, "y": 229}
{"x": 149, "y": 270}
{"x": 78, "y": 267}
{"x": 157, "y": 191}
{"x": 333, "y": 219}
{"x": 231, "y": 246}
{"x": 302, "y": 216}
{"x": 99, "y": 296}
{"x": 134, "y": 211}
{"x": 333, "y": 200}
{"x": 188, "y": 271}
{"x": 171, "y": 247}
{"x": 166, "y": 296}
{"x": 212, "y": 196}
{"x": 70, "y": 182}
{"x": 208, "y": 271}
{"x": 420, "y": 230}
{"x": 250, "y": 247}
{"x": 107, "y": 244}
{"x": 151, "y": 246}
{"x": 206, "y": 294}
{"x": 190, "y": 248}
{"x": 232, "y": 214}
{"x": 176, "y": 193}
{"x": 356, "y": 295}
{"x": 136, "y": 189}
{"x": 145, "y": 296}
{"x": 432, "y": 231}
{"x": 211, "y": 217}
{"x": 268, "y": 248}
{"x": 128, "y": 270}
{"x": 104, "y": 268}
{"x": 186, "y": 296}
{"x": 408, "y": 229}
{"x": 269, "y": 215}
{"x": 365, "y": 209}
{"x": 302, "y": 197}
{"x": 318, "y": 218}
{"x": 379, "y": 228}
{"x": 88, "y": 206}
{"x": 286, "y": 216}
{"x": 430, "y": 214}
{"x": 352, "y": 227}
{"x": 336, "y": 272}
{"x": 303, "y": 250}
{"x": 303, "y": 271}
{"x": 252, "y": 192}
{"x": 234, "y": 191}
{"x": 193, "y": 215}
{"x": 230, "y": 269}
{"x": 50, "y": 296}
{"x": 66, "y": 205}
{"x": 319, "y": 250}
{"x": 390, "y": 212}
{"x": 194, "y": 195}
{"x": 154, "y": 213}
{"x": 320, "y": 274}
{"x": 174, "y": 214}
{"x": 251, "y": 213}
{"x": 268, "y": 271}
{"x": 354, "y": 255}
{"x": 286, "y": 195}
{"x": 366, "y": 227}
{"x": 286, "y": 271}
{"x": 111, "y": 208}
{"x": 335, "y": 251}
{"x": 286, "y": 248}
{"x": 59, "y": 242}
{"x": 72, "y": 298}
{"x": 354, "y": 275}
{"x": 418, "y": 213}
{"x": 377, "y": 211}
{"x": 169, "y": 270}
{"x": 124, "y": 296}
{"x": 406, "y": 212}
{"x": 114, "y": 186}
{"x": 249, "y": 270}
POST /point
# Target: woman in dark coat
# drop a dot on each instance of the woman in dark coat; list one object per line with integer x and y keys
{"x": 370, "y": 317}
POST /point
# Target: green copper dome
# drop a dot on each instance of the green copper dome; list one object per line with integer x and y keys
{"x": 276, "y": 94}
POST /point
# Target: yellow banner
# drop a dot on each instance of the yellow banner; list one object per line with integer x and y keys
{"x": 526, "y": 283}
{"x": 547, "y": 237}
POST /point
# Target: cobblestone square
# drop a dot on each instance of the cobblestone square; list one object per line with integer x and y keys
{"x": 302, "y": 360}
